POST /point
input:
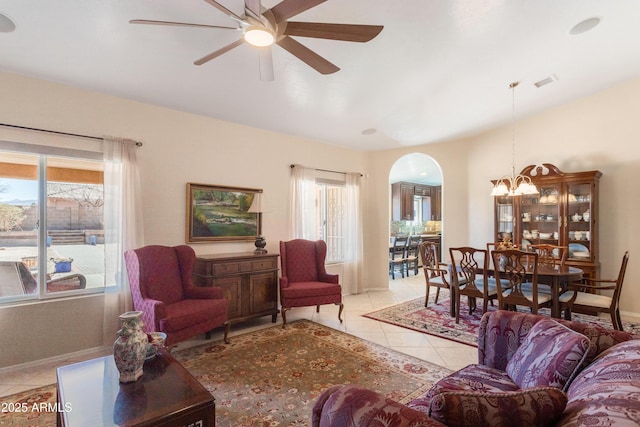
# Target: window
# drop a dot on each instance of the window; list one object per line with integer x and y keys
{"x": 330, "y": 219}
{"x": 51, "y": 224}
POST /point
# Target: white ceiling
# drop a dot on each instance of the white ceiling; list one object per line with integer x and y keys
{"x": 440, "y": 69}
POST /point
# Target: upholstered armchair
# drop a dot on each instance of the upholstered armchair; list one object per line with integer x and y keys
{"x": 162, "y": 288}
{"x": 305, "y": 281}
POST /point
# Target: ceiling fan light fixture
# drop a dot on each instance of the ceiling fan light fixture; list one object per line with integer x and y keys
{"x": 260, "y": 37}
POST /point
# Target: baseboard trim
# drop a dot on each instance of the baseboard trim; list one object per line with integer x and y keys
{"x": 81, "y": 354}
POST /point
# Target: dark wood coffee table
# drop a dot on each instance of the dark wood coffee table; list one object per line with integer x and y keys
{"x": 90, "y": 394}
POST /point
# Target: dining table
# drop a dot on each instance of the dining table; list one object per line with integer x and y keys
{"x": 557, "y": 277}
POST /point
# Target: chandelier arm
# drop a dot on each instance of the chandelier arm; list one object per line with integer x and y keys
{"x": 513, "y": 185}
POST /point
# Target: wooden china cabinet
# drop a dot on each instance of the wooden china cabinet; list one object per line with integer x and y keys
{"x": 564, "y": 213}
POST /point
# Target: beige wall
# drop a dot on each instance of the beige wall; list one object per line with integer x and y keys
{"x": 178, "y": 148}
{"x": 598, "y": 132}
{"x": 451, "y": 158}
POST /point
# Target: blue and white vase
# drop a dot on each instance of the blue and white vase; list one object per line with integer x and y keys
{"x": 130, "y": 348}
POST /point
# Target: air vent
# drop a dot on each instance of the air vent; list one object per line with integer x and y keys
{"x": 552, "y": 78}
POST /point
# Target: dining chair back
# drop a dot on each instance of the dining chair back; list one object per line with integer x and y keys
{"x": 413, "y": 255}
{"x": 471, "y": 278}
{"x": 435, "y": 273}
{"x": 516, "y": 275}
{"x": 585, "y": 296}
{"x": 549, "y": 255}
{"x": 398, "y": 255}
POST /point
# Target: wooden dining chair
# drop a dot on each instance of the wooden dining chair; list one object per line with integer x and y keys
{"x": 435, "y": 273}
{"x": 397, "y": 255}
{"x": 411, "y": 261}
{"x": 584, "y": 296}
{"x": 549, "y": 255}
{"x": 516, "y": 275}
{"x": 472, "y": 279}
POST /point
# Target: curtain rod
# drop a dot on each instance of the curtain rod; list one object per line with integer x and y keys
{"x": 326, "y": 170}
{"x": 138, "y": 143}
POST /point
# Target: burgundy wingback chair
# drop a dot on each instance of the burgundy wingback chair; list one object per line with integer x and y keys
{"x": 162, "y": 288}
{"x": 305, "y": 281}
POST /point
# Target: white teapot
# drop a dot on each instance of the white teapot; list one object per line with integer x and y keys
{"x": 576, "y": 217}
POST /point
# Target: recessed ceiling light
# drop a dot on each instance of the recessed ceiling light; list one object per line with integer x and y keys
{"x": 6, "y": 24}
{"x": 369, "y": 131}
{"x": 584, "y": 26}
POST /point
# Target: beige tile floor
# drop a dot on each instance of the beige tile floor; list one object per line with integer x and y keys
{"x": 436, "y": 350}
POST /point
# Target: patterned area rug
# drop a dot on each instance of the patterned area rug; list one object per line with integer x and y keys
{"x": 272, "y": 377}
{"x": 435, "y": 320}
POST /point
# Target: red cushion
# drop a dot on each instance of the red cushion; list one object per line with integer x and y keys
{"x": 186, "y": 313}
{"x": 310, "y": 289}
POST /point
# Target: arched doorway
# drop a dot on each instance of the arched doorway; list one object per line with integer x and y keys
{"x": 415, "y": 182}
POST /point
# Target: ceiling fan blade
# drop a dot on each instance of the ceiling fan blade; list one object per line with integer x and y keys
{"x": 218, "y": 52}
{"x": 266, "y": 64}
{"x": 178, "y": 24}
{"x": 307, "y": 56}
{"x": 345, "y": 32}
{"x": 254, "y": 6}
{"x": 288, "y": 8}
{"x": 224, "y": 10}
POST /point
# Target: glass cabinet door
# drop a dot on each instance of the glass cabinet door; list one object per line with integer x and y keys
{"x": 579, "y": 222}
{"x": 504, "y": 218}
{"x": 540, "y": 216}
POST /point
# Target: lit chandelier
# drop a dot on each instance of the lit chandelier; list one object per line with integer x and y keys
{"x": 514, "y": 185}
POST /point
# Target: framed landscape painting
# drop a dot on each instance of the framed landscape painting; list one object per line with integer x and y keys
{"x": 221, "y": 214}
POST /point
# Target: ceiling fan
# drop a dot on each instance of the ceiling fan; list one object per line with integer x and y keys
{"x": 262, "y": 27}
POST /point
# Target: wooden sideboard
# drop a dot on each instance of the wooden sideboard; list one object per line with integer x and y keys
{"x": 249, "y": 281}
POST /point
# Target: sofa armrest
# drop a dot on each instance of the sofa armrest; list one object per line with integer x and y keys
{"x": 500, "y": 334}
{"x": 353, "y": 406}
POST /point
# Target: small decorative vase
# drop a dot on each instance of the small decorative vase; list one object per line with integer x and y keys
{"x": 130, "y": 347}
{"x": 260, "y": 244}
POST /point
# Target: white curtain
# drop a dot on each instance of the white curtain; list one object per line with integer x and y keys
{"x": 122, "y": 226}
{"x": 304, "y": 223}
{"x": 303, "y": 203}
{"x": 352, "y": 270}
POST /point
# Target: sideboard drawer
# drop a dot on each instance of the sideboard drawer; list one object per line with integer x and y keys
{"x": 226, "y": 268}
{"x": 265, "y": 264}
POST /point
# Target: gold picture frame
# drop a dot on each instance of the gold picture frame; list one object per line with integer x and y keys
{"x": 221, "y": 214}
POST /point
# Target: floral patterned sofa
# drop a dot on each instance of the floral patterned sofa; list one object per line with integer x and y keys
{"x": 531, "y": 370}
